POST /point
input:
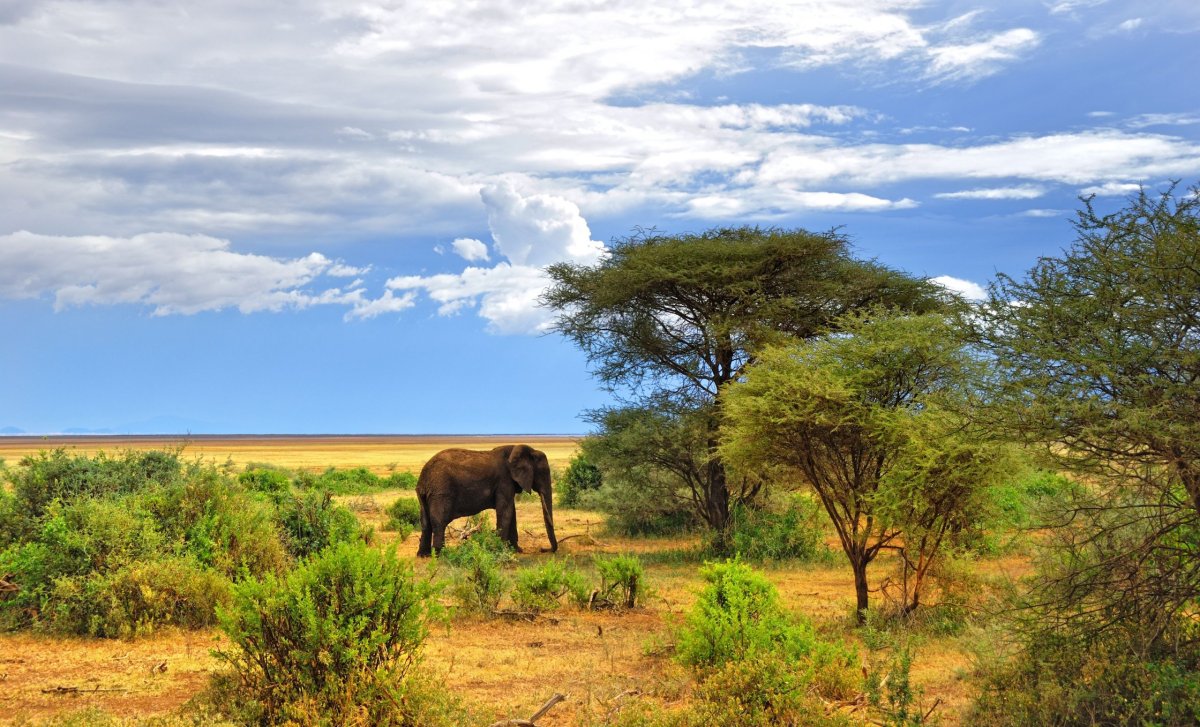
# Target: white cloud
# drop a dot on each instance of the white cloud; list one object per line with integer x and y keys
{"x": 1074, "y": 158}
{"x": 1111, "y": 189}
{"x": 1176, "y": 119}
{"x": 1042, "y": 213}
{"x": 173, "y": 274}
{"x": 981, "y": 58}
{"x": 389, "y": 302}
{"x": 342, "y": 270}
{"x": 538, "y": 229}
{"x": 470, "y": 249}
{"x": 1026, "y": 191}
{"x": 965, "y": 288}
{"x": 1071, "y": 6}
{"x": 1131, "y": 24}
{"x": 531, "y": 231}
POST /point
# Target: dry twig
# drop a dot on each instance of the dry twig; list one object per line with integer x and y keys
{"x": 532, "y": 721}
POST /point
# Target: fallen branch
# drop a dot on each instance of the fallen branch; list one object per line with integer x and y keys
{"x": 532, "y": 721}
{"x": 77, "y": 690}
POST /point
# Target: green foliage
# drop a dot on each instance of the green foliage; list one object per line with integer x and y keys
{"x": 792, "y": 532}
{"x": 478, "y": 584}
{"x": 622, "y": 581}
{"x": 738, "y": 617}
{"x": 355, "y": 481}
{"x": 126, "y": 562}
{"x": 136, "y": 599}
{"x": 646, "y": 455}
{"x": 581, "y": 476}
{"x": 1061, "y": 679}
{"x": 764, "y": 690}
{"x": 262, "y": 479}
{"x": 211, "y": 519}
{"x": 872, "y": 419}
{"x": 674, "y": 318}
{"x": 57, "y": 475}
{"x": 403, "y": 516}
{"x": 888, "y": 680}
{"x": 542, "y": 587}
{"x": 312, "y": 521}
{"x": 330, "y": 643}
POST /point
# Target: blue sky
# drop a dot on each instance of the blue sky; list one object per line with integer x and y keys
{"x": 315, "y": 216}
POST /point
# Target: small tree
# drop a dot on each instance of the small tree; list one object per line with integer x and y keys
{"x": 867, "y": 418}
{"x": 667, "y": 320}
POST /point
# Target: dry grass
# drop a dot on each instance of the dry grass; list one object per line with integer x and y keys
{"x": 506, "y": 668}
{"x": 380, "y": 454}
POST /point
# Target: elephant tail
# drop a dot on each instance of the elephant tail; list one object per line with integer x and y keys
{"x": 423, "y": 501}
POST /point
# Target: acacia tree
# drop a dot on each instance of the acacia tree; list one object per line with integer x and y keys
{"x": 868, "y": 418}
{"x": 667, "y": 320}
{"x": 1097, "y": 355}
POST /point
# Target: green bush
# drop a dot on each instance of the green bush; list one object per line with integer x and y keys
{"x": 581, "y": 476}
{"x": 13, "y": 526}
{"x": 634, "y": 508}
{"x": 330, "y": 643}
{"x": 485, "y": 538}
{"x": 137, "y": 599}
{"x": 311, "y": 521}
{"x": 57, "y": 475}
{"x": 478, "y": 584}
{"x": 1112, "y": 678}
{"x": 207, "y": 517}
{"x": 403, "y": 516}
{"x": 264, "y": 479}
{"x": 542, "y": 587}
{"x": 793, "y": 532}
{"x": 762, "y": 691}
{"x": 400, "y": 481}
{"x": 738, "y": 617}
{"x": 622, "y": 581}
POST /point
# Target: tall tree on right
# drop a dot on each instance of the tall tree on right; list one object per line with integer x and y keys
{"x": 1097, "y": 364}
{"x": 1097, "y": 356}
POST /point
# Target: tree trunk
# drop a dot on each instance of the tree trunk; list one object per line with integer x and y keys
{"x": 716, "y": 500}
{"x": 859, "y": 565}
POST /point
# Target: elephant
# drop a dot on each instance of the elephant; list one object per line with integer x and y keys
{"x": 461, "y": 482}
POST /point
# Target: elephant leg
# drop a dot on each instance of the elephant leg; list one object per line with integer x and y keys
{"x": 506, "y": 523}
{"x": 439, "y": 536}
{"x": 424, "y": 550}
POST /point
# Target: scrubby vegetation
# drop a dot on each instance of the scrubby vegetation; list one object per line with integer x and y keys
{"x": 123, "y": 545}
{"x": 335, "y": 641}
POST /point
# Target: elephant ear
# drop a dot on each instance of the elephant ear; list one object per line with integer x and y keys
{"x": 520, "y": 466}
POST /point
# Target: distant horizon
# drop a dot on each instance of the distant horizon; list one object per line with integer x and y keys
{"x": 281, "y": 435}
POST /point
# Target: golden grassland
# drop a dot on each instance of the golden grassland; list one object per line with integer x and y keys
{"x": 505, "y": 668}
{"x": 379, "y": 453}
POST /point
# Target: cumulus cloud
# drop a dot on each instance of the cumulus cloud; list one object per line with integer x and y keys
{"x": 530, "y": 231}
{"x": 965, "y": 288}
{"x": 470, "y": 249}
{"x": 1026, "y": 191}
{"x": 168, "y": 272}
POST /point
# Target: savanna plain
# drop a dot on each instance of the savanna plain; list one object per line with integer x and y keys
{"x": 501, "y": 665}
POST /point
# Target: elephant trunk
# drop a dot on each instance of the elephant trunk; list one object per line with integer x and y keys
{"x": 548, "y": 516}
